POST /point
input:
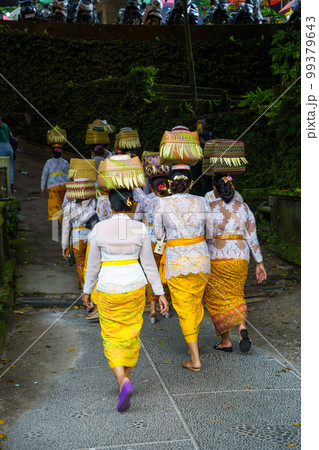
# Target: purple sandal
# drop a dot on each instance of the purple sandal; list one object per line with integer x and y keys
{"x": 125, "y": 397}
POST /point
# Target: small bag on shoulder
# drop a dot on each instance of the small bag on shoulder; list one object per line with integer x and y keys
{"x": 160, "y": 246}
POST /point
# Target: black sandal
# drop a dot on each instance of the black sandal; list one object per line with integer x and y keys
{"x": 224, "y": 349}
{"x": 245, "y": 343}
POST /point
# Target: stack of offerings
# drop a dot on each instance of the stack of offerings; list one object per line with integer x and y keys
{"x": 180, "y": 147}
{"x": 223, "y": 156}
{"x": 127, "y": 139}
{"x": 152, "y": 165}
{"x": 97, "y": 133}
{"x": 56, "y": 137}
{"x": 82, "y": 168}
{"x": 121, "y": 172}
{"x": 80, "y": 189}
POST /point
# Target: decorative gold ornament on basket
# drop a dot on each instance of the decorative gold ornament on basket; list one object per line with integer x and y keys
{"x": 127, "y": 140}
{"x": 224, "y": 156}
{"x": 97, "y": 133}
{"x": 180, "y": 147}
{"x": 56, "y": 136}
{"x": 121, "y": 173}
{"x": 80, "y": 190}
{"x": 152, "y": 165}
{"x": 82, "y": 168}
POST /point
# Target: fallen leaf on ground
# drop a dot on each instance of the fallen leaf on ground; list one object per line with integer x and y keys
{"x": 290, "y": 445}
{"x": 214, "y": 421}
{"x": 160, "y": 342}
{"x": 18, "y": 312}
{"x": 227, "y": 407}
{"x": 10, "y": 381}
{"x": 248, "y": 387}
{"x": 48, "y": 346}
{"x": 71, "y": 349}
{"x": 297, "y": 424}
{"x": 3, "y": 436}
{"x": 167, "y": 362}
{"x": 2, "y": 422}
{"x": 75, "y": 307}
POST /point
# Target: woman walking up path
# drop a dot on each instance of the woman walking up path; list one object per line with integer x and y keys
{"x": 185, "y": 261}
{"x": 234, "y": 237}
{"x": 112, "y": 265}
{"x": 54, "y": 178}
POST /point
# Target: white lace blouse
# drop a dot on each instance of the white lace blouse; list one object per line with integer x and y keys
{"x": 183, "y": 216}
{"x": 121, "y": 238}
{"x": 54, "y": 165}
{"x": 103, "y": 209}
{"x": 234, "y": 218}
{"x": 147, "y": 204}
{"x": 210, "y": 197}
{"x": 75, "y": 214}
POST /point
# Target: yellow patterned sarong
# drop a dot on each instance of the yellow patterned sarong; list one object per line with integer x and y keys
{"x": 187, "y": 292}
{"x": 224, "y": 294}
{"x": 55, "y": 200}
{"x": 121, "y": 319}
{"x": 79, "y": 250}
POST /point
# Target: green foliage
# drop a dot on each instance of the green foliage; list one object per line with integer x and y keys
{"x": 13, "y": 209}
{"x": 281, "y": 108}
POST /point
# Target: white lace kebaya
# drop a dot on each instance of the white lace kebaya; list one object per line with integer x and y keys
{"x": 147, "y": 205}
{"x": 184, "y": 216}
{"x": 210, "y": 197}
{"x": 234, "y": 218}
{"x": 115, "y": 239}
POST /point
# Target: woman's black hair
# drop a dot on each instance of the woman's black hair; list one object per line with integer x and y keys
{"x": 158, "y": 181}
{"x": 180, "y": 186}
{"x": 121, "y": 199}
{"x": 225, "y": 190}
{"x": 98, "y": 150}
{"x": 56, "y": 154}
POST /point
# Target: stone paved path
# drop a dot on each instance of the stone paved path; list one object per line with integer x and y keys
{"x": 236, "y": 402}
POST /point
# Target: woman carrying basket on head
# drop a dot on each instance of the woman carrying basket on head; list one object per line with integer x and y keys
{"x": 234, "y": 237}
{"x": 184, "y": 219}
{"x": 54, "y": 178}
{"x": 116, "y": 245}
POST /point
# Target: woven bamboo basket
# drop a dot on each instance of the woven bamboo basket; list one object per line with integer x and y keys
{"x": 80, "y": 190}
{"x": 56, "y": 136}
{"x": 97, "y": 133}
{"x": 121, "y": 174}
{"x": 82, "y": 168}
{"x": 224, "y": 156}
{"x": 152, "y": 165}
{"x": 180, "y": 148}
{"x": 127, "y": 140}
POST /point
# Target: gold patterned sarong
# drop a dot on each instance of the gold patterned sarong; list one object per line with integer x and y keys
{"x": 121, "y": 319}
{"x": 55, "y": 200}
{"x": 187, "y": 293}
{"x": 224, "y": 293}
{"x": 79, "y": 250}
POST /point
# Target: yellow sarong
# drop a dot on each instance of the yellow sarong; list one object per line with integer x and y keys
{"x": 187, "y": 292}
{"x": 55, "y": 200}
{"x": 79, "y": 250}
{"x": 224, "y": 294}
{"x": 121, "y": 319}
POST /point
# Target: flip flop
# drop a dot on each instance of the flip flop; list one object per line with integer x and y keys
{"x": 93, "y": 316}
{"x": 193, "y": 369}
{"x": 245, "y": 343}
{"x": 223, "y": 349}
{"x": 125, "y": 397}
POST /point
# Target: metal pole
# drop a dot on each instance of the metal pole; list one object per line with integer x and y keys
{"x": 191, "y": 67}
